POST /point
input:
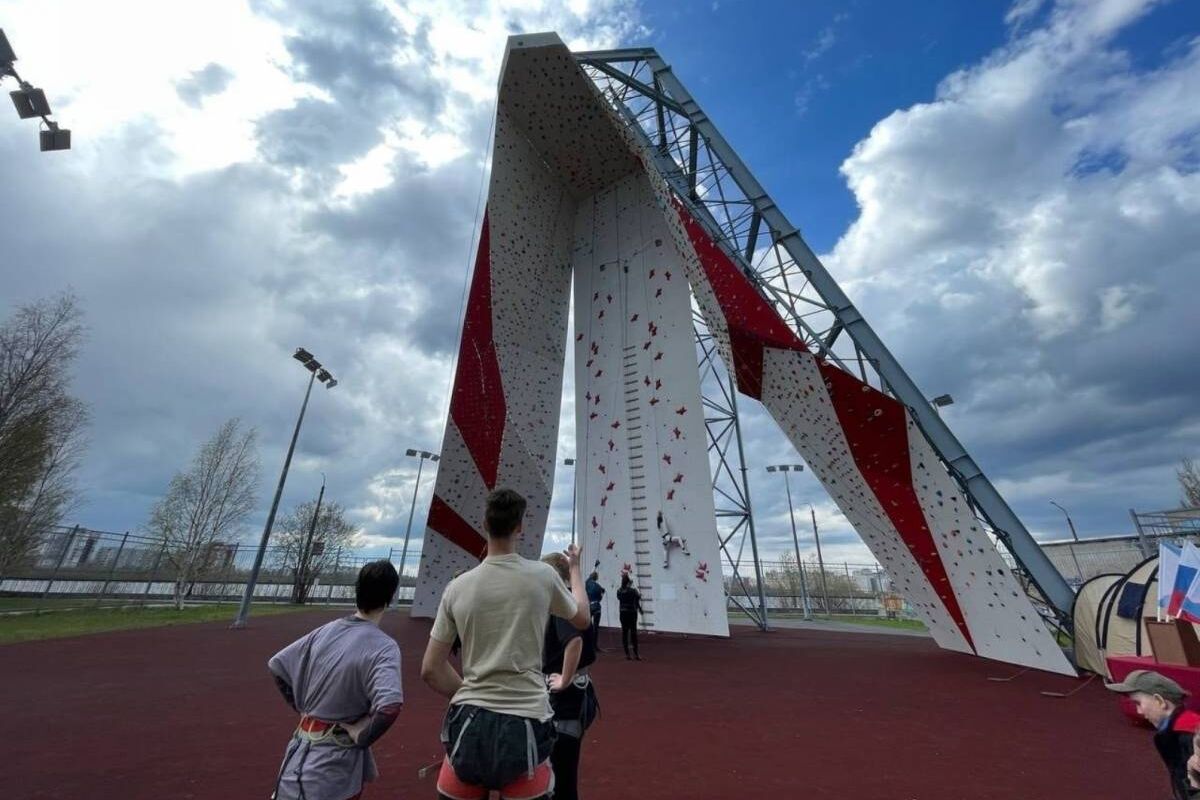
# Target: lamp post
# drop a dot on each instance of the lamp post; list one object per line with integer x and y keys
{"x": 318, "y": 373}
{"x": 306, "y": 552}
{"x": 1075, "y": 536}
{"x": 785, "y": 468}
{"x": 570, "y": 462}
{"x": 31, "y": 102}
{"x": 820, "y": 561}
{"x": 941, "y": 401}
{"x": 420, "y": 455}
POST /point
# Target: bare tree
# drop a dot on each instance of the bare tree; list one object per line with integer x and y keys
{"x": 205, "y": 506}
{"x": 1189, "y": 481}
{"x": 307, "y": 550}
{"x": 41, "y": 425}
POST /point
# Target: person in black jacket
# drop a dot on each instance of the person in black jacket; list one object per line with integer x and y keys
{"x": 629, "y": 602}
{"x": 567, "y": 654}
{"x": 1160, "y": 701}
{"x": 595, "y": 593}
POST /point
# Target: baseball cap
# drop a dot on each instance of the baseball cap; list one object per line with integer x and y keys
{"x": 1150, "y": 682}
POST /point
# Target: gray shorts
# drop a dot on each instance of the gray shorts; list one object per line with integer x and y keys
{"x": 492, "y": 750}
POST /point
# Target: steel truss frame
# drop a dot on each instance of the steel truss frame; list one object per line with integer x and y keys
{"x": 731, "y": 488}
{"x": 720, "y": 192}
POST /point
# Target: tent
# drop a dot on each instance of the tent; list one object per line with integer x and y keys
{"x": 1108, "y": 614}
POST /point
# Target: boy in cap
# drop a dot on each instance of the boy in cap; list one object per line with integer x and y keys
{"x": 1159, "y": 701}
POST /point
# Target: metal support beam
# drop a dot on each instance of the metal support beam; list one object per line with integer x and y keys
{"x": 981, "y": 490}
{"x": 868, "y": 346}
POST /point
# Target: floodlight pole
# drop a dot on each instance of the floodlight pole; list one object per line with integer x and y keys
{"x": 820, "y": 562}
{"x": 416, "y": 488}
{"x": 306, "y": 553}
{"x": 1075, "y": 536}
{"x": 570, "y": 462}
{"x": 248, "y": 595}
{"x": 795, "y": 537}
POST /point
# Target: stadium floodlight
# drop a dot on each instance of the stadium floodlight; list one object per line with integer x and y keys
{"x": 324, "y": 376}
{"x": 7, "y": 56}
{"x": 421, "y": 456}
{"x": 30, "y": 102}
{"x": 55, "y": 138}
{"x": 312, "y": 365}
{"x": 943, "y": 400}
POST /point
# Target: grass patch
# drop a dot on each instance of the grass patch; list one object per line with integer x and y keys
{"x": 57, "y": 624}
{"x": 31, "y": 603}
{"x": 852, "y": 619}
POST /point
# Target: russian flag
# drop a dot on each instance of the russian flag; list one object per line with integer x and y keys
{"x": 1168, "y": 566}
{"x": 1190, "y": 610}
{"x": 1189, "y": 566}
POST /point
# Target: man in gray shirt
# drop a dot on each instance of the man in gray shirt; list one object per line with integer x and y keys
{"x": 344, "y": 680}
{"x": 498, "y": 731}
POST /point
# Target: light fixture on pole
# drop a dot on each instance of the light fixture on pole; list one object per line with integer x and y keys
{"x": 820, "y": 561}
{"x": 941, "y": 401}
{"x": 307, "y": 552}
{"x": 421, "y": 455}
{"x": 314, "y": 367}
{"x": 1075, "y": 536}
{"x": 570, "y": 462}
{"x": 785, "y": 468}
{"x": 31, "y": 102}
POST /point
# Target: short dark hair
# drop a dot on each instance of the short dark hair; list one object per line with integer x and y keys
{"x": 505, "y": 509}
{"x": 377, "y": 582}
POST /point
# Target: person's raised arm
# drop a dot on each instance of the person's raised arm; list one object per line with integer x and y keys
{"x": 583, "y": 616}
{"x": 437, "y": 671}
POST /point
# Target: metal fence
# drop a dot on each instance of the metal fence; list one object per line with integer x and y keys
{"x": 106, "y": 567}
{"x": 841, "y": 588}
{"x": 110, "y": 568}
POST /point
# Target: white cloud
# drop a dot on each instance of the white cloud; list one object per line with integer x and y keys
{"x": 1027, "y": 240}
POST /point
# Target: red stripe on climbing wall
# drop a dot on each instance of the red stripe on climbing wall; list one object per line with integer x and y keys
{"x": 752, "y": 322}
{"x": 446, "y": 521}
{"x": 477, "y": 405}
{"x": 878, "y": 441}
{"x": 876, "y": 430}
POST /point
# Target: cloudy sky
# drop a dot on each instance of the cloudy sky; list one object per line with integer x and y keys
{"x": 1010, "y": 192}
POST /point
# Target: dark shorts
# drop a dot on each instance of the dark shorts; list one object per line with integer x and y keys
{"x": 492, "y": 751}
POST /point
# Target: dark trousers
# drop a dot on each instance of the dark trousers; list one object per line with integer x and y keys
{"x": 595, "y": 631}
{"x": 564, "y": 758}
{"x": 629, "y": 631}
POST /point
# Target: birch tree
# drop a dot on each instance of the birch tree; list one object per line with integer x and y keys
{"x": 206, "y": 505}
{"x": 41, "y": 424}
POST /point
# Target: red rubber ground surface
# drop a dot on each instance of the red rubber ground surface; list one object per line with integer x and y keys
{"x": 190, "y": 712}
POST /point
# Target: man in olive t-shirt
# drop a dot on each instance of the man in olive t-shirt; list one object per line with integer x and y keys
{"x": 497, "y": 731}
